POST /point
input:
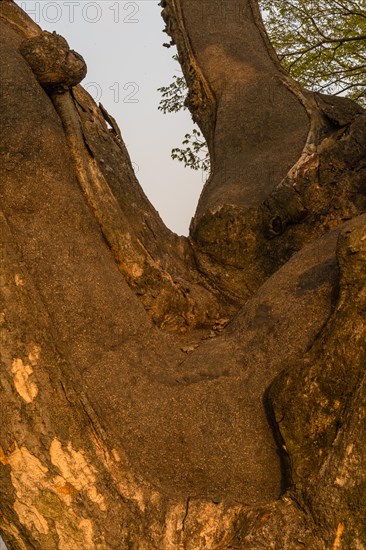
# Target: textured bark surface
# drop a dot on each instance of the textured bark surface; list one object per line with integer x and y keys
{"x": 161, "y": 392}
{"x": 284, "y": 161}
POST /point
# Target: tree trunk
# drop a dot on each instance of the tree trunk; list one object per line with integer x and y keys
{"x": 163, "y": 392}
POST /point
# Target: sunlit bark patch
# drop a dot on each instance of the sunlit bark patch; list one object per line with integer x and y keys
{"x": 31, "y": 517}
{"x": 337, "y": 543}
{"x": 76, "y": 471}
{"x": 3, "y": 459}
{"x": 28, "y": 476}
{"x": 25, "y": 387}
{"x": 18, "y": 280}
{"x": 39, "y": 497}
{"x": 197, "y": 524}
{"x": 34, "y": 354}
{"x": 83, "y": 536}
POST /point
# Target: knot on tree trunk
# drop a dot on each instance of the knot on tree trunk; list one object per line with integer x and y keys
{"x": 52, "y": 61}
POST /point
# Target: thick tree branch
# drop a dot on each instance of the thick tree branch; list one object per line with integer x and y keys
{"x": 262, "y": 130}
{"x": 118, "y": 435}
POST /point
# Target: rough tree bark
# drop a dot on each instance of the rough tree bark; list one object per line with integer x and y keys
{"x": 163, "y": 392}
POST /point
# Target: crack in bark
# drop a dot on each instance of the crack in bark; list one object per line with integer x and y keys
{"x": 186, "y": 513}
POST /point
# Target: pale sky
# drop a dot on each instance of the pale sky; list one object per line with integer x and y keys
{"x": 121, "y": 42}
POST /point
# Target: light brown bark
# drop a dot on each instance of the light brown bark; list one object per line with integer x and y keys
{"x": 117, "y": 433}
